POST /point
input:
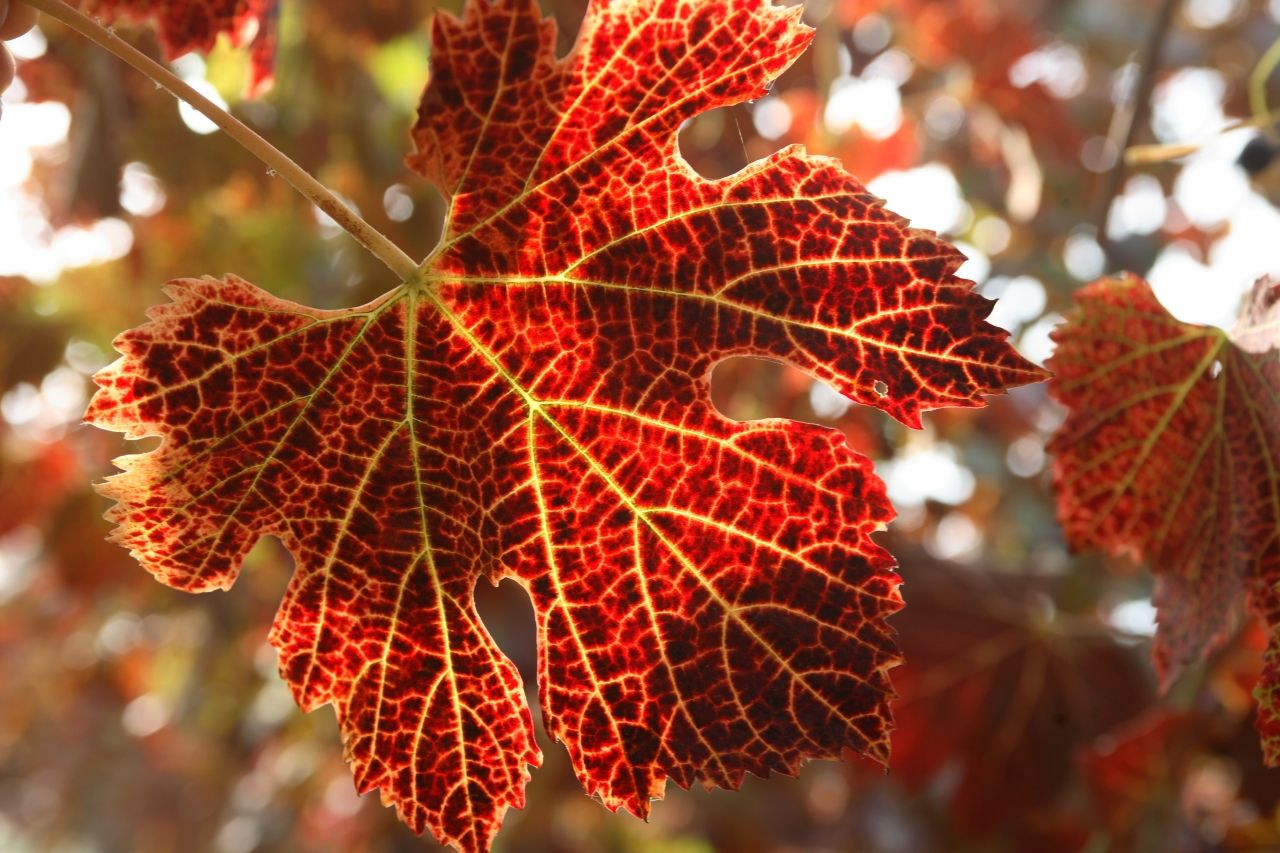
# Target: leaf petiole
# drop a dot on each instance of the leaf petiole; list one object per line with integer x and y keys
{"x": 377, "y": 243}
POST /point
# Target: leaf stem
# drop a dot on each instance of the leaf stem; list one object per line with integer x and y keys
{"x": 377, "y": 243}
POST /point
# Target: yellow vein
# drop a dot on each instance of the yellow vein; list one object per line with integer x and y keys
{"x": 356, "y": 339}
{"x": 569, "y": 168}
{"x": 562, "y": 599}
{"x": 761, "y": 543}
{"x": 720, "y": 302}
{"x": 1157, "y": 432}
{"x": 493, "y": 106}
{"x": 652, "y": 612}
{"x": 715, "y": 207}
{"x": 331, "y": 557}
{"x": 536, "y": 409}
{"x": 411, "y": 359}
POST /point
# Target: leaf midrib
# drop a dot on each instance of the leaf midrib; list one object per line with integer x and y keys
{"x": 537, "y": 409}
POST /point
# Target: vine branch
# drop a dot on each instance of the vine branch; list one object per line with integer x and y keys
{"x": 377, "y": 243}
{"x": 1130, "y": 116}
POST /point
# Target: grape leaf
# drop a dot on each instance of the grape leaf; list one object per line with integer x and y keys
{"x": 1170, "y": 453}
{"x": 187, "y": 25}
{"x": 999, "y": 691}
{"x": 1135, "y": 772}
{"x": 534, "y": 404}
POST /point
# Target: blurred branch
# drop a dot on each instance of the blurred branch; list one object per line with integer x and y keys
{"x": 1258, "y": 86}
{"x": 276, "y": 160}
{"x": 88, "y": 185}
{"x": 1132, "y": 115}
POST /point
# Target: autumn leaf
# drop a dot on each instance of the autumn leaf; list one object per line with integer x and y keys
{"x": 999, "y": 691}
{"x": 1170, "y": 454}
{"x": 194, "y": 25}
{"x": 534, "y": 404}
{"x": 1135, "y": 772}
{"x": 34, "y": 478}
{"x": 985, "y": 39}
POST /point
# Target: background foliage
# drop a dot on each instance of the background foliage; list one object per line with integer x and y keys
{"x": 136, "y": 717}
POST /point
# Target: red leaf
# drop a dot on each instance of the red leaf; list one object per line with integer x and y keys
{"x": 35, "y": 478}
{"x": 1136, "y": 771}
{"x": 987, "y": 38}
{"x": 534, "y": 404}
{"x": 1170, "y": 453}
{"x": 998, "y": 692}
{"x": 187, "y": 25}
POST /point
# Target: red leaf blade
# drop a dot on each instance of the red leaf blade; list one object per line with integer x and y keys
{"x": 284, "y": 423}
{"x": 1170, "y": 454}
{"x": 791, "y": 258}
{"x": 535, "y": 405}
{"x": 697, "y": 633}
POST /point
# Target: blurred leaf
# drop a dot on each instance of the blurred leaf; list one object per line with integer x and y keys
{"x": 999, "y": 691}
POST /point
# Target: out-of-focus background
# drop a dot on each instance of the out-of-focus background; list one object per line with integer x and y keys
{"x": 133, "y": 717}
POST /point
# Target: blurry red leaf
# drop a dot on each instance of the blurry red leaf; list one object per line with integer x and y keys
{"x": 534, "y": 405}
{"x": 1238, "y": 667}
{"x": 998, "y": 692}
{"x": 194, "y": 25}
{"x": 1170, "y": 454}
{"x": 1134, "y": 772}
{"x": 863, "y": 156}
{"x": 49, "y": 78}
{"x": 34, "y": 477}
{"x": 986, "y": 37}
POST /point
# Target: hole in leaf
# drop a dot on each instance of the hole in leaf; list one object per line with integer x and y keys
{"x": 881, "y": 389}
{"x": 1215, "y": 369}
{"x": 744, "y": 388}
{"x": 265, "y": 572}
{"x": 146, "y": 444}
{"x": 715, "y": 143}
{"x": 568, "y": 17}
{"x": 507, "y": 612}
